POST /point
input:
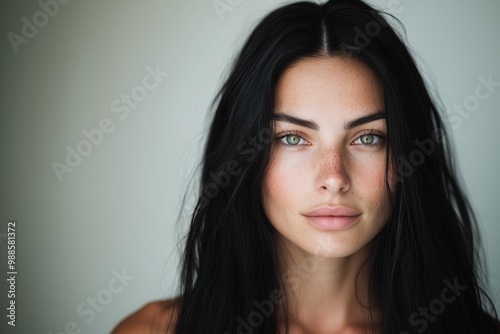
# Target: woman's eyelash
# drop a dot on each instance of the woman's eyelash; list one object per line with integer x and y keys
{"x": 286, "y": 134}
{"x": 381, "y": 138}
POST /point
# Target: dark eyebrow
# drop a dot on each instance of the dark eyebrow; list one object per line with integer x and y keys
{"x": 295, "y": 120}
{"x": 365, "y": 119}
{"x": 311, "y": 125}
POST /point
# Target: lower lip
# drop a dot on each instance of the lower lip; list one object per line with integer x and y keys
{"x": 333, "y": 223}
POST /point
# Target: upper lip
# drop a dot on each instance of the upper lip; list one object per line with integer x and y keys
{"x": 336, "y": 211}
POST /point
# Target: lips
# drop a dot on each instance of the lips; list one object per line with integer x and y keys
{"x": 336, "y": 211}
{"x": 332, "y": 218}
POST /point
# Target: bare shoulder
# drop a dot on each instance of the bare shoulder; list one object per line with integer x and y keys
{"x": 152, "y": 318}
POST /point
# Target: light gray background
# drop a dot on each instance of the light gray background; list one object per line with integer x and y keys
{"x": 117, "y": 210}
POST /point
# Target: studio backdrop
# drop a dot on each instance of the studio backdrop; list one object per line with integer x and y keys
{"x": 104, "y": 112}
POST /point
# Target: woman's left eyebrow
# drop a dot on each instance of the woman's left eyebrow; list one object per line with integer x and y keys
{"x": 365, "y": 119}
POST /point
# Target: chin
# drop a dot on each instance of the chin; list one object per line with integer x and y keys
{"x": 333, "y": 246}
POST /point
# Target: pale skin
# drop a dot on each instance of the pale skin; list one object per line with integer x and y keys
{"x": 336, "y": 158}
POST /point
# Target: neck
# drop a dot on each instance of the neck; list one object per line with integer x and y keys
{"x": 325, "y": 294}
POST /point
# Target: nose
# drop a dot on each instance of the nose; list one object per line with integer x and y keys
{"x": 332, "y": 172}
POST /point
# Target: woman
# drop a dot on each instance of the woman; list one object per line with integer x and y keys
{"x": 329, "y": 202}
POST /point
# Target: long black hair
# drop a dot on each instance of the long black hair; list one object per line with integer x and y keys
{"x": 425, "y": 274}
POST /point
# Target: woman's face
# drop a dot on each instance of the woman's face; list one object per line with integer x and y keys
{"x": 324, "y": 189}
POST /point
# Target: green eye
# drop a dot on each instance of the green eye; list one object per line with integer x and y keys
{"x": 292, "y": 139}
{"x": 368, "y": 139}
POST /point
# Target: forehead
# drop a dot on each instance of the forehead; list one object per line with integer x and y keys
{"x": 334, "y": 83}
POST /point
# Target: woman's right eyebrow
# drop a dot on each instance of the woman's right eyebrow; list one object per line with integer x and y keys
{"x": 295, "y": 120}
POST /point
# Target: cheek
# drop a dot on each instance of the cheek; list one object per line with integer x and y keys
{"x": 280, "y": 187}
{"x": 368, "y": 178}
{"x": 368, "y": 174}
